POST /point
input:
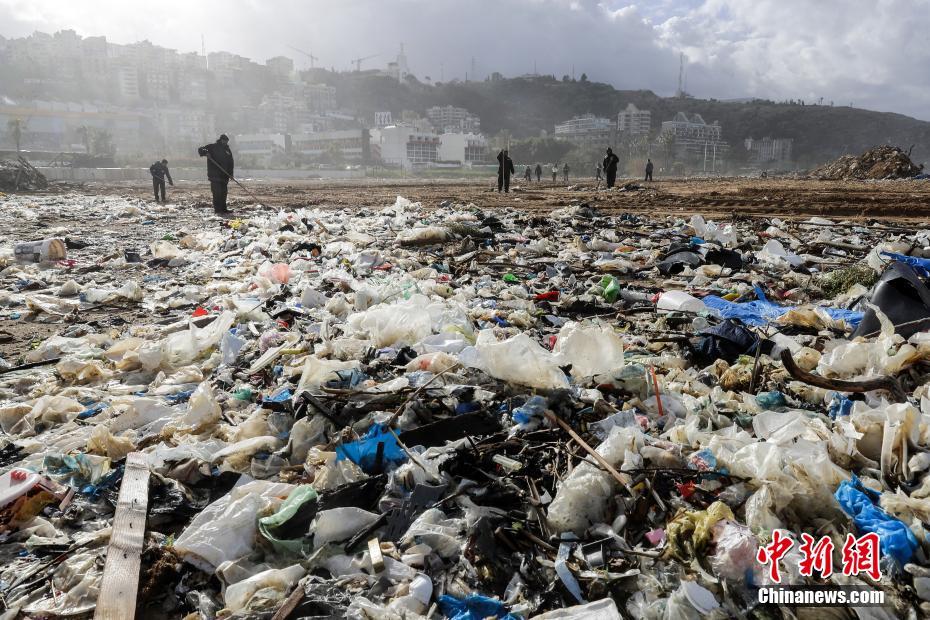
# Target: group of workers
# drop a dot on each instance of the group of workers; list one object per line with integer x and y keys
{"x": 220, "y": 168}
{"x": 608, "y": 167}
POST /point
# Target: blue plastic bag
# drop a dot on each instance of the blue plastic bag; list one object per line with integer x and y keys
{"x": 895, "y": 537}
{"x": 364, "y": 452}
{"x": 473, "y": 607}
{"x": 762, "y": 311}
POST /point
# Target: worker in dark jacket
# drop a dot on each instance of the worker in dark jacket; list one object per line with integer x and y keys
{"x": 219, "y": 171}
{"x": 648, "y": 169}
{"x": 538, "y": 172}
{"x": 159, "y": 171}
{"x": 610, "y": 167}
{"x": 504, "y": 170}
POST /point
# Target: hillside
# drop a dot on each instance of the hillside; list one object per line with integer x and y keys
{"x": 524, "y": 106}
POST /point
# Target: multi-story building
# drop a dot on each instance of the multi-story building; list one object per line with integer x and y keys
{"x": 692, "y": 138}
{"x": 585, "y": 130}
{"x": 452, "y": 119}
{"x": 466, "y": 148}
{"x": 633, "y": 122}
{"x": 769, "y": 150}
{"x": 350, "y": 144}
{"x": 260, "y": 148}
{"x": 319, "y": 97}
{"x": 406, "y": 146}
{"x": 383, "y": 119}
{"x": 281, "y": 67}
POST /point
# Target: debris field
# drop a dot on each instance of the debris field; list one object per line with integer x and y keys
{"x": 459, "y": 407}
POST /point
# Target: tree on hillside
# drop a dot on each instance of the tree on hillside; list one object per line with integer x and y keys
{"x": 584, "y": 77}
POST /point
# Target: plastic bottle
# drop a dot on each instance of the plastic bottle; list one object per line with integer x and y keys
{"x": 680, "y": 301}
{"x": 42, "y": 251}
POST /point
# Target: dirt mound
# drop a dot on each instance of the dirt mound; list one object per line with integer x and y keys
{"x": 880, "y": 162}
{"x": 17, "y": 175}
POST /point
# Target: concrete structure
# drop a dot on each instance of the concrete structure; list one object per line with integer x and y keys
{"x": 281, "y": 67}
{"x": 351, "y": 144}
{"x": 769, "y": 150}
{"x": 55, "y": 126}
{"x": 465, "y": 148}
{"x": 318, "y": 98}
{"x": 691, "y": 139}
{"x": 406, "y": 146}
{"x": 183, "y": 129}
{"x": 399, "y": 69}
{"x": 633, "y": 122}
{"x": 585, "y": 130}
{"x": 260, "y": 147}
{"x": 383, "y": 119}
{"x": 452, "y": 119}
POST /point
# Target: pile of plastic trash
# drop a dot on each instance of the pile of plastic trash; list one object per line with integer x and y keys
{"x": 880, "y": 162}
{"x": 396, "y": 412}
{"x": 20, "y": 175}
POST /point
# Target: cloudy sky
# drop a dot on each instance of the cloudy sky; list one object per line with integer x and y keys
{"x": 871, "y": 53}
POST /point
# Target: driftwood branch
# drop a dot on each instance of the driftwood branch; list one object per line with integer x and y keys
{"x": 889, "y": 384}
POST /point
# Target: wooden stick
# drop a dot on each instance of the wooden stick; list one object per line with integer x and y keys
{"x": 597, "y": 457}
{"x": 889, "y": 384}
{"x": 120, "y": 585}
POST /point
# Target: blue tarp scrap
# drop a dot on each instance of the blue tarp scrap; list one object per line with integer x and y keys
{"x": 364, "y": 452}
{"x": 473, "y": 607}
{"x": 895, "y": 538}
{"x": 91, "y": 411}
{"x": 920, "y": 265}
{"x": 762, "y": 311}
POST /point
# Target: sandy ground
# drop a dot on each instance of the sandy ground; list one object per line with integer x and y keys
{"x": 902, "y": 204}
{"x": 716, "y": 197}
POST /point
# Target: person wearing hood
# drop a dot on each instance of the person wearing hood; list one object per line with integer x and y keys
{"x": 219, "y": 171}
{"x": 610, "y": 167}
{"x": 504, "y": 170}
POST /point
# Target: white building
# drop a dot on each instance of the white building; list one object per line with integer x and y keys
{"x": 452, "y": 119}
{"x": 260, "y": 147}
{"x": 584, "y": 130}
{"x": 466, "y": 148}
{"x": 383, "y": 119}
{"x": 406, "y": 146}
{"x": 349, "y": 143}
{"x": 634, "y": 122}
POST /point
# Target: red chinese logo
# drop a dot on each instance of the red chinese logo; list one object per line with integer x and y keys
{"x": 860, "y": 555}
{"x": 773, "y": 552}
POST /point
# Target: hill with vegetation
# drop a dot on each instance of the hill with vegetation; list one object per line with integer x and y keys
{"x": 523, "y": 107}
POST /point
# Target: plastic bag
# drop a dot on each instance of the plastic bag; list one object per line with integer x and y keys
{"x": 364, "y": 452}
{"x": 473, "y": 607}
{"x": 590, "y": 349}
{"x": 399, "y": 324}
{"x": 338, "y": 524}
{"x": 226, "y": 529}
{"x": 895, "y": 538}
{"x": 300, "y": 496}
{"x": 519, "y": 360}
{"x": 237, "y": 595}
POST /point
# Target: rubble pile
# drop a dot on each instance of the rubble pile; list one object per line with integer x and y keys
{"x": 880, "y": 162}
{"x": 399, "y": 412}
{"x": 20, "y": 175}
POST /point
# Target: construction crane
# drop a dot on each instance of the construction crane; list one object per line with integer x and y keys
{"x": 358, "y": 61}
{"x": 307, "y": 54}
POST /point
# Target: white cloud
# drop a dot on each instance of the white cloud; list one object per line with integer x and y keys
{"x": 870, "y": 52}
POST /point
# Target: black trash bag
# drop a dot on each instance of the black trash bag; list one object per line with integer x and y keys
{"x": 903, "y": 297}
{"x": 730, "y": 259}
{"x": 677, "y": 258}
{"x": 726, "y": 340}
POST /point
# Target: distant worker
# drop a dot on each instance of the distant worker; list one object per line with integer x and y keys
{"x": 504, "y": 170}
{"x": 565, "y": 173}
{"x": 610, "y": 167}
{"x": 159, "y": 172}
{"x": 219, "y": 171}
{"x": 597, "y": 171}
{"x": 648, "y": 169}
{"x": 538, "y": 172}
{"x": 555, "y": 172}
{"x": 528, "y": 175}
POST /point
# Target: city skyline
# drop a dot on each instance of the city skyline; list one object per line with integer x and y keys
{"x": 774, "y": 50}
